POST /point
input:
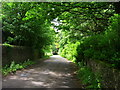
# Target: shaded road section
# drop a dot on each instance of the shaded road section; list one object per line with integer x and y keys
{"x": 55, "y": 72}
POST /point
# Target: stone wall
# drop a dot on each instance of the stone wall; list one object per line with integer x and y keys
{"x": 17, "y": 53}
{"x": 110, "y": 77}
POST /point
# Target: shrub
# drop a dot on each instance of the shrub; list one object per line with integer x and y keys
{"x": 70, "y": 51}
{"x": 104, "y": 46}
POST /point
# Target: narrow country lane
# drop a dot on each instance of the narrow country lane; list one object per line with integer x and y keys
{"x": 56, "y": 72}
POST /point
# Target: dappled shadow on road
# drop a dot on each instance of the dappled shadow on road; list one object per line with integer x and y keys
{"x": 56, "y": 72}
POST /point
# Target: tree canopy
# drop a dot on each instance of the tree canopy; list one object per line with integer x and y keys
{"x": 84, "y": 25}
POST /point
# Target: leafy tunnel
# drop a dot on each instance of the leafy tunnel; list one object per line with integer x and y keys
{"x": 78, "y": 31}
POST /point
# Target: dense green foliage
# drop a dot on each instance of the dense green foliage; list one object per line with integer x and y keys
{"x": 103, "y": 46}
{"x": 97, "y": 35}
{"x": 70, "y": 51}
{"x": 25, "y": 24}
{"x": 29, "y": 24}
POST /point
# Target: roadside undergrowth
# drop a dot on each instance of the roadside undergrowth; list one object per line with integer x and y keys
{"x": 13, "y": 67}
{"x": 88, "y": 78}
